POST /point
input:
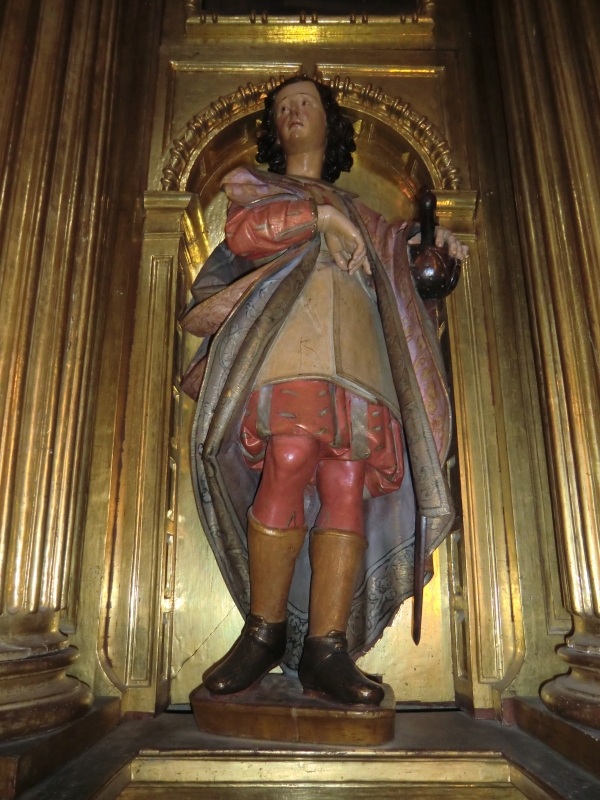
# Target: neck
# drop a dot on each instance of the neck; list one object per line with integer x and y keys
{"x": 305, "y": 165}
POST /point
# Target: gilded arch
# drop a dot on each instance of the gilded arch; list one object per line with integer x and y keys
{"x": 418, "y": 132}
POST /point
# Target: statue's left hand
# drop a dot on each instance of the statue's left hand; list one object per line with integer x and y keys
{"x": 444, "y": 237}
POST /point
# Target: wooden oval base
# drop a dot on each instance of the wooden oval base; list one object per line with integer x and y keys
{"x": 278, "y": 710}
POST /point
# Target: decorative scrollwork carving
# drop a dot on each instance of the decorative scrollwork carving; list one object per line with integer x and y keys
{"x": 414, "y": 127}
{"x": 246, "y": 100}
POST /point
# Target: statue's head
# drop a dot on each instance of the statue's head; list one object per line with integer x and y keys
{"x": 301, "y": 113}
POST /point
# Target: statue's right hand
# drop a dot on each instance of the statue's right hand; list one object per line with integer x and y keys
{"x": 344, "y": 240}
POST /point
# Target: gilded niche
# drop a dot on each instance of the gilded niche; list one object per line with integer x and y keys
{"x": 307, "y": 377}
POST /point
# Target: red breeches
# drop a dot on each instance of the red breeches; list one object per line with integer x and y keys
{"x": 290, "y": 463}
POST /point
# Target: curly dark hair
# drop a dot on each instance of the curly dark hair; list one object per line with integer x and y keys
{"x": 340, "y": 134}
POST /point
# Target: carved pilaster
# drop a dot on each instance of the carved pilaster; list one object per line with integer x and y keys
{"x": 141, "y": 593}
{"x": 548, "y": 54}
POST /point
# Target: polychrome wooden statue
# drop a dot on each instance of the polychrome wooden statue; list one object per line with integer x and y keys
{"x": 322, "y": 407}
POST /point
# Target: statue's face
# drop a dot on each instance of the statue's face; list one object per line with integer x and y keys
{"x": 300, "y": 119}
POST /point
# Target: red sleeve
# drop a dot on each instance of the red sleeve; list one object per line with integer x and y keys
{"x": 260, "y": 231}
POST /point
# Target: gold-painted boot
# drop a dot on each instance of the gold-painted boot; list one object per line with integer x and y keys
{"x": 272, "y": 554}
{"x": 326, "y": 668}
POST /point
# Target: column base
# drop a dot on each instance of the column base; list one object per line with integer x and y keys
{"x": 26, "y": 762}
{"x": 576, "y": 696}
{"x": 36, "y": 694}
{"x": 578, "y": 743}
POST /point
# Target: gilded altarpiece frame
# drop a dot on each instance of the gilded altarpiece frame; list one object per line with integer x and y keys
{"x": 493, "y": 613}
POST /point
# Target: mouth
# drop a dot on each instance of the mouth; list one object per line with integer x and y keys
{"x": 296, "y": 123}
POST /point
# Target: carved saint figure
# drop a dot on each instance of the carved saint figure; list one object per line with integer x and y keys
{"x": 322, "y": 406}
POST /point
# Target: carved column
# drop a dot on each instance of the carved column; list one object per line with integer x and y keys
{"x": 56, "y": 68}
{"x": 551, "y": 75}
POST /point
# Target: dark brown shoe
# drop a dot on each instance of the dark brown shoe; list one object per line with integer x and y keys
{"x": 259, "y": 648}
{"x": 327, "y": 670}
